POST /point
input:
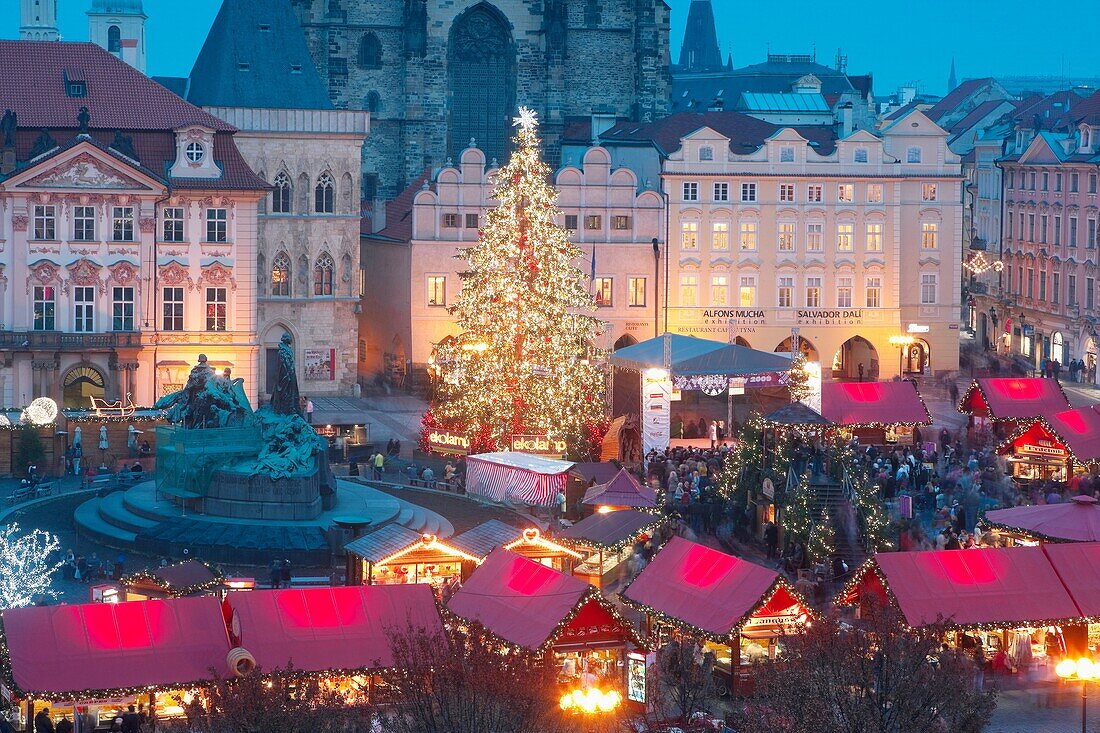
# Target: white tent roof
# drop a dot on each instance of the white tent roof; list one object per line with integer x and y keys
{"x": 525, "y": 461}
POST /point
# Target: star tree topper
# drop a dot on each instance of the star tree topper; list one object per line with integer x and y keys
{"x": 527, "y": 120}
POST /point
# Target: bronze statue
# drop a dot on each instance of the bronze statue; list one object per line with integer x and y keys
{"x": 284, "y": 397}
{"x": 207, "y": 400}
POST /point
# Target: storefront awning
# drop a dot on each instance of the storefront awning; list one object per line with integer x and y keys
{"x": 1012, "y": 587}
{"x": 347, "y": 628}
{"x": 97, "y": 649}
{"x": 623, "y": 490}
{"x": 1077, "y": 520}
{"x": 705, "y": 589}
{"x": 695, "y": 356}
{"x": 1014, "y": 398}
{"x": 610, "y": 531}
{"x": 523, "y": 602}
{"x": 873, "y": 404}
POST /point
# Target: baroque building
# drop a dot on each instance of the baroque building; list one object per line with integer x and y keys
{"x": 127, "y": 232}
{"x": 438, "y": 74}
{"x": 307, "y": 262}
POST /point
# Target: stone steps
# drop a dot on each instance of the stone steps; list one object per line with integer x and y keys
{"x": 91, "y": 525}
{"x": 112, "y": 509}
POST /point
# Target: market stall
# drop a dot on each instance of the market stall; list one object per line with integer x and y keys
{"x": 605, "y": 540}
{"x": 346, "y": 442}
{"x": 187, "y": 578}
{"x": 88, "y": 662}
{"x": 995, "y": 401}
{"x": 1011, "y": 601}
{"x": 1055, "y": 446}
{"x": 877, "y": 413}
{"x": 394, "y": 554}
{"x": 511, "y": 476}
{"x": 740, "y": 611}
{"x": 623, "y": 491}
{"x": 1077, "y": 520}
{"x": 528, "y": 605}
{"x": 336, "y": 631}
{"x": 527, "y": 541}
{"x": 581, "y": 478}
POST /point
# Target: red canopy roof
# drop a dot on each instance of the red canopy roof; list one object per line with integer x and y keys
{"x": 1076, "y": 521}
{"x": 1078, "y": 565}
{"x": 1014, "y": 398}
{"x": 866, "y": 403}
{"x": 704, "y": 588}
{"x": 1011, "y": 586}
{"x": 1036, "y": 439}
{"x": 623, "y": 490}
{"x": 56, "y": 651}
{"x": 341, "y": 628}
{"x": 519, "y": 600}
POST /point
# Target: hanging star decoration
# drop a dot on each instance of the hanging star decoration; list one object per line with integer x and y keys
{"x": 979, "y": 263}
{"x": 527, "y": 120}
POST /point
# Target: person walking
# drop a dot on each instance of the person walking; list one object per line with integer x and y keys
{"x": 64, "y": 725}
{"x": 131, "y": 721}
{"x": 42, "y": 722}
{"x": 713, "y": 433}
{"x": 860, "y": 369}
{"x": 309, "y": 411}
{"x": 771, "y": 539}
{"x": 378, "y": 464}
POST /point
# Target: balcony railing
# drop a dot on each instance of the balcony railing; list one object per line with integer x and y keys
{"x": 67, "y": 341}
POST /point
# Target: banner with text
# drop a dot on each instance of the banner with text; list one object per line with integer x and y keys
{"x": 656, "y": 408}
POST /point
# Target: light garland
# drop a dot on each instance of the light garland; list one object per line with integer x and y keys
{"x": 26, "y": 573}
{"x": 523, "y": 362}
{"x": 978, "y": 264}
{"x": 540, "y": 541}
{"x": 976, "y": 385}
{"x": 621, "y": 545}
{"x": 429, "y": 542}
{"x": 1054, "y": 434}
{"x": 149, "y": 577}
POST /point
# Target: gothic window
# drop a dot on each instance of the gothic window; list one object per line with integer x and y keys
{"x": 322, "y": 274}
{"x": 373, "y": 103}
{"x": 280, "y": 275}
{"x": 324, "y": 194}
{"x": 114, "y": 39}
{"x": 280, "y": 195}
{"x": 481, "y": 61}
{"x": 370, "y": 52}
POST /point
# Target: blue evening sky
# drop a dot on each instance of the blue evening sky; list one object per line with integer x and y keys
{"x": 899, "y": 42}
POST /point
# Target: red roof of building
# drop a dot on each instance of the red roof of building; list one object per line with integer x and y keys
{"x": 1078, "y": 565}
{"x": 955, "y": 97}
{"x": 1077, "y": 520}
{"x": 623, "y": 490}
{"x": 522, "y": 601}
{"x": 340, "y": 628}
{"x": 1014, "y": 398}
{"x": 867, "y": 403}
{"x": 56, "y": 652}
{"x": 708, "y": 590}
{"x": 1011, "y": 586}
{"x": 399, "y": 211}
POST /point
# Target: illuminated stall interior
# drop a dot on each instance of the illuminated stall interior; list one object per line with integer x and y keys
{"x": 995, "y": 401}
{"x": 90, "y": 661}
{"x": 605, "y": 540}
{"x": 528, "y": 605}
{"x": 1077, "y": 520}
{"x": 528, "y": 541}
{"x": 1055, "y": 446}
{"x": 740, "y": 611}
{"x": 394, "y": 554}
{"x": 623, "y": 491}
{"x": 1027, "y": 606}
{"x": 878, "y": 413}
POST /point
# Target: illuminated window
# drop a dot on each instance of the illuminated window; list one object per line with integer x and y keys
{"x": 928, "y": 232}
{"x": 786, "y": 236}
{"x": 785, "y": 292}
{"x": 874, "y": 237}
{"x": 720, "y": 290}
{"x": 928, "y": 192}
{"x": 689, "y": 286}
{"x": 603, "y": 288}
{"x": 746, "y": 291}
{"x": 322, "y": 274}
{"x": 437, "y": 290}
{"x": 874, "y": 292}
{"x": 844, "y": 292}
{"x": 874, "y": 193}
{"x": 813, "y": 292}
{"x": 280, "y": 275}
{"x": 216, "y": 309}
{"x": 689, "y": 235}
{"x": 748, "y": 236}
{"x": 845, "y": 192}
{"x": 637, "y": 292}
{"x": 845, "y": 237}
{"x": 720, "y": 236}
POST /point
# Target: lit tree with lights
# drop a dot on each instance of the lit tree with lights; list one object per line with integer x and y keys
{"x": 524, "y": 362}
{"x": 798, "y": 379}
{"x": 26, "y": 570}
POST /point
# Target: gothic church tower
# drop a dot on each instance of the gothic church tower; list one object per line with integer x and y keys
{"x": 38, "y": 20}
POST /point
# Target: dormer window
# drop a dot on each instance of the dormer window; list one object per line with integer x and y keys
{"x": 195, "y": 152}
{"x": 77, "y": 89}
{"x": 706, "y": 153}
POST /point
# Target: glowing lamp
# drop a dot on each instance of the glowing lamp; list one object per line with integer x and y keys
{"x": 901, "y": 340}
{"x": 590, "y": 701}
{"x": 41, "y": 411}
{"x": 656, "y": 373}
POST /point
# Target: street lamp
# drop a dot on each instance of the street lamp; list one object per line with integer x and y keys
{"x": 1083, "y": 671}
{"x": 902, "y": 342}
{"x": 656, "y": 285}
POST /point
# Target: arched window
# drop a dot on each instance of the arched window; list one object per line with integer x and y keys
{"x": 281, "y": 195}
{"x": 370, "y": 52}
{"x": 324, "y": 195}
{"x": 481, "y": 81}
{"x": 114, "y": 39}
{"x": 280, "y": 275}
{"x": 322, "y": 274}
{"x": 373, "y": 103}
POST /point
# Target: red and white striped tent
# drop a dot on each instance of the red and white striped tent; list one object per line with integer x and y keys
{"x": 516, "y": 477}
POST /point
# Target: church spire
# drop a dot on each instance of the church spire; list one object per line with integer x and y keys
{"x": 951, "y": 81}
{"x": 38, "y": 20}
{"x": 700, "y": 51}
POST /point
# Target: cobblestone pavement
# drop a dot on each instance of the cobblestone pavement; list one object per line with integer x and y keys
{"x": 1029, "y": 711}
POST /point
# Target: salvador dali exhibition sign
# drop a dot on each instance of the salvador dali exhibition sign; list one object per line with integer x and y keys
{"x": 720, "y": 320}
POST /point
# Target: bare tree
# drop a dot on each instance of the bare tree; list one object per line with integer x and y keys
{"x": 683, "y": 683}
{"x": 877, "y": 677}
{"x": 288, "y": 701}
{"x": 469, "y": 683}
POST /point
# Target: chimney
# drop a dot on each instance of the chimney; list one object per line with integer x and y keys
{"x": 845, "y": 119}
{"x": 716, "y": 105}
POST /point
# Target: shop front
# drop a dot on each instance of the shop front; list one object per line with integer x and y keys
{"x": 479, "y": 541}
{"x": 396, "y": 555}
{"x": 1036, "y": 454}
{"x": 346, "y": 443}
{"x": 528, "y": 605}
{"x": 739, "y": 611}
{"x": 605, "y": 540}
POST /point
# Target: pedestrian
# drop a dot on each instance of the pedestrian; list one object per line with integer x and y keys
{"x": 379, "y": 464}
{"x": 353, "y": 468}
{"x": 42, "y": 722}
{"x": 131, "y": 721}
{"x": 860, "y": 368}
{"x": 64, "y": 725}
{"x": 771, "y": 539}
{"x": 276, "y": 574}
{"x": 309, "y": 411}
{"x": 953, "y": 390}
{"x": 286, "y": 572}
{"x": 713, "y": 433}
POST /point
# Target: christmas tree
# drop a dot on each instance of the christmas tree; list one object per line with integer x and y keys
{"x": 525, "y": 361}
{"x": 798, "y": 379}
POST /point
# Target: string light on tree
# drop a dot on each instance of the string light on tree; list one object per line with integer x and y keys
{"x": 524, "y": 362}
{"x": 26, "y": 568}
